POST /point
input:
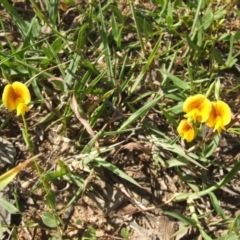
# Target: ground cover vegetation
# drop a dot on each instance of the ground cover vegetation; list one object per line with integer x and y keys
{"x": 119, "y": 119}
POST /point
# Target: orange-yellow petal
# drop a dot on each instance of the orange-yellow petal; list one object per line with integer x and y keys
{"x": 219, "y": 126}
{"x": 21, "y": 92}
{"x": 224, "y": 111}
{"x": 212, "y": 117}
{"x": 21, "y": 109}
{"x": 186, "y": 130}
{"x": 8, "y": 97}
{"x": 193, "y": 102}
{"x": 197, "y": 108}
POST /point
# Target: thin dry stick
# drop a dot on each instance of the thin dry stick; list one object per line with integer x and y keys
{"x": 45, "y": 70}
{"x": 179, "y": 59}
{"x": 209, "y": 137}
{"x": 231, "y": 5}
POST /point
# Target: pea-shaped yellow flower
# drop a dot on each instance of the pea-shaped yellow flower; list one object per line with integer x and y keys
{"x": 220, "y": 116}
{"x": 186, "y": 130}
{"x": 197, "y": 108}
{"x": 16, "y": 96}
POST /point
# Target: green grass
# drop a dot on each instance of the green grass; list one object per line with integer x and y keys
{"x": 108, "y": 74}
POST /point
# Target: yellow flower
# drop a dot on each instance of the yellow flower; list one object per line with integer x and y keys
{"x": 16, "y": 96}
{"x": 63, "y": 5}
{"x": 220, "y": 116}
{"x": 197, "y": 108}
{"x": 186, "y": 130}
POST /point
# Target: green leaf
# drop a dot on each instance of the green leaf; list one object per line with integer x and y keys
{"x": 72, "y": 68}
{"x": 82, "y": 36}
{"x": 116, "y": 31}
{"x": 146, "y": 29}
{"x": 169, "y": 17}
{"x": 52, "y": 7}
{"x": 224, "y": 36}
{"x": 207, "y": 19}
{"x": 236, "y": 224}
{"x": 219, "y": 14}
{"x": 211, "y": 147}
{"x": 139, "y": 112}
{"x": 101, "y": 162}
{"x": 170, "y": 118}
{"x": 216, "y": 205}
{"x": 89, "y": 234}
{"x": 191, "y": 44}
{"x": 176, "y": 162}
{"x": 50, "y": 220}
{"x": 57, "y": 174}
{"x": 182, "y": 218}
{"x": 152, "y": 56}
{"x": 203, "y": 233}
{"x": 217, "y": 56}
{"x": 118, "y": 14}
{"x": 229, "y": 236}
{"x": 8, "y": 206}
{"x": 210, "y": 89}
{"x": 230, "y": 58}
{"x": 107, "y": 51}
{"x": 29, "y": 34}
{"x": 50, "y": 197}
{"x": 176, "y": 109}
{"x": 176, "y": 81}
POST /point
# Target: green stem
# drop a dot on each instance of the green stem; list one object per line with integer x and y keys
{"x": 44, "y": 181}
{"x": 137, "y": 28}
{"x": 30, "y": 145}
{"x": 26, "y": 136}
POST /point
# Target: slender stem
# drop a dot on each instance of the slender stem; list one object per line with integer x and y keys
{"x": 30, "y": 145}
{"x": 26, "y": 136}
{"x": 44, "y": 181}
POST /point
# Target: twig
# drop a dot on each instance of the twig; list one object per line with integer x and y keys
{"x": 209, "y": 137}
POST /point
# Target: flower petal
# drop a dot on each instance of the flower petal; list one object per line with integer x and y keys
{"x": 205, "y": 110}
{"x": 224, "y": 111}
{"x": 8, "y": 97}
{"x": 219, "y": 125}
{"x": 186, "y": 130}
{"x": 211, "y": 120}
{"x": 193, "y": 102}
{"x": 22, "y": 92}
{"x": 21, "y": 109}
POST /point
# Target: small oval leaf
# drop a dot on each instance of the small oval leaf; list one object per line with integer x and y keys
{"x": 50, "y": 219}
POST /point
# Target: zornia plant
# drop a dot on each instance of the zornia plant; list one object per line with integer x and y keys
{"x": 199, "y": 109}
{"x": 16, "y": 96}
